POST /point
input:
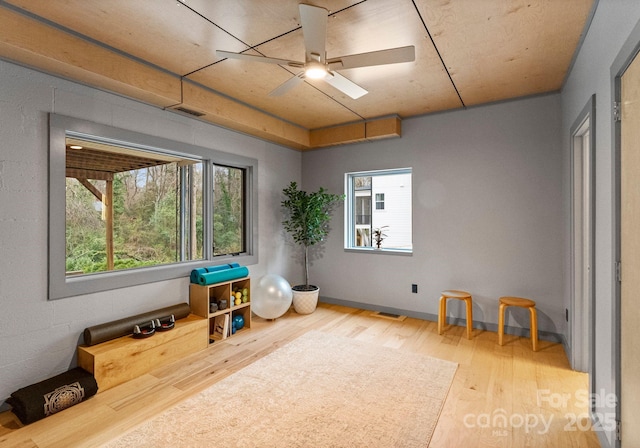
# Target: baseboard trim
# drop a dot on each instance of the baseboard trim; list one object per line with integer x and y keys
{"x": 488, "y": 326}
{"x": 567, "y": 349}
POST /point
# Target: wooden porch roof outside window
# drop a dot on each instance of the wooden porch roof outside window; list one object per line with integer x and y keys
{"x": 87, "y": 161}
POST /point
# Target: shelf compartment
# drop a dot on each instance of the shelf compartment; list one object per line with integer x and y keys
{"x": 200, "y": 296}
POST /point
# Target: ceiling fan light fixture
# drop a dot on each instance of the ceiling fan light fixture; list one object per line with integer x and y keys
{"x": 315, "y": 70}
{"x": 313, "y": 21}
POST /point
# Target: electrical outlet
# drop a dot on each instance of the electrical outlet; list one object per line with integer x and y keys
{"x": 414, "y": 288}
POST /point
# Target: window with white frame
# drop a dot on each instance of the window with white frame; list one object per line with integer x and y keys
{"x": 379, "y": 200}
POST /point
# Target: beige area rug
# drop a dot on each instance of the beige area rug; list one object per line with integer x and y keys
{"x": 319, "y": 390}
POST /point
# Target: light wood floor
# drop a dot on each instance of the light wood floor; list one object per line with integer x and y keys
{"x": 501, "y": 396}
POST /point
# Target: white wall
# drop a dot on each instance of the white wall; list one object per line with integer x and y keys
{"x": 488, "y": 213}
{"x": 612, "y": 24}
{"x": 38, "y": 338}
{"x": 396, "y": 214}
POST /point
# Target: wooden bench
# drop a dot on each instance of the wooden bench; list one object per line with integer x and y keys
{"x": 119, "y": 360}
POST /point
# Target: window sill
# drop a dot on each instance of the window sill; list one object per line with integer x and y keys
{"x": 371, "y": 250}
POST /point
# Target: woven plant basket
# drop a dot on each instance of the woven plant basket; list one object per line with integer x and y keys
{"x": 305, "y": 302}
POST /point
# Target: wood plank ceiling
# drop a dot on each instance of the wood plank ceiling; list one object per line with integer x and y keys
{"x": 468, "y": 52}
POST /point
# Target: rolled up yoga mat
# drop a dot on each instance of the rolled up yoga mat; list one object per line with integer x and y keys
{"x": 40, "y": 400}
{"x": 224, "y": 275}
{"x": 117, "y": 328}
{"x": 198, "y": 271}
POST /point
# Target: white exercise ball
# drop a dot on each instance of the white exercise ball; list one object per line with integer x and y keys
{"x": 272, "y": 297}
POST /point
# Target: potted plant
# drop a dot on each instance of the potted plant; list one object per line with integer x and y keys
{"x": 379, "y": 235}
{"x": 307, "y": 217}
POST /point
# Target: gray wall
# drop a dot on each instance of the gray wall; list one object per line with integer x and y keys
{"x": 38, "y": 338}
{"x": 611, "y": 26}
{"x": 488, "y": 213}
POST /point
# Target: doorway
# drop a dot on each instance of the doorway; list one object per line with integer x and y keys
{"x": 581, "y": 322}
{"x": 628, "y": 384}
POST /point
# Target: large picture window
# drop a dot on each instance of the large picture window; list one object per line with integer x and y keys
{"x": 128, "y": 208}
{"x": 390, "y": 193}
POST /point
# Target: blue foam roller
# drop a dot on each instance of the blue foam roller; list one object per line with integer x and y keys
{"x": 198, "y": 271}
{"x": 224, "y": 275}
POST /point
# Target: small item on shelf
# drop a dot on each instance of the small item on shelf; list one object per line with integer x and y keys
{"x": 144, "y": 331}
{"x": 221, "y": 326}
{"x": 165, "y": 323}
{"x": 213, "y": 307}
{"x": 238, "y": 322}
{"x": 240, "y": 295}
{"x": 222, "y": 304}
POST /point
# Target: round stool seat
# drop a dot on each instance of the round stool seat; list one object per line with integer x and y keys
{"x": 517, "y": 301}
{"x": 442, "y": 313}
{"x": 456, "y": 294}
{"x": 522, "y": 303}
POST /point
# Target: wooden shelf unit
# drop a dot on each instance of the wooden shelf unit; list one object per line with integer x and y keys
{"x": 200, "y": 297}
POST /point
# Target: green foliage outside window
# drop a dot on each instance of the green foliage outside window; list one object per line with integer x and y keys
{"x": 145, "y": 225}
{"x": 150, "y": 224}
{"x": 228, "y": 219}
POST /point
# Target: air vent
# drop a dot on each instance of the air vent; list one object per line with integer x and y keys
{"x": 390, "y": 316}
{"x": 189, "y": 111}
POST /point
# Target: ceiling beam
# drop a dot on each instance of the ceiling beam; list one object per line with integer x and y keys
{"x": 30, "y": 42}
{"x": 375, "y": 129}
{"x": 226, "y": 112}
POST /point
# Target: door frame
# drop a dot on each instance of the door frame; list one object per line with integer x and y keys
{"x": 578, "y": 313}
{"x": 626, "y": 55}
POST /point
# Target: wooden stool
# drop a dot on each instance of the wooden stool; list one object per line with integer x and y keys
{"x": 442, "y": 314}
{"x": 522, "y": 303}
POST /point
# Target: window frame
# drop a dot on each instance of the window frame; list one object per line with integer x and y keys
{"x": 61, "y": 285}
{"x": 244, "y": 198}
{"x": 349, "y": 216}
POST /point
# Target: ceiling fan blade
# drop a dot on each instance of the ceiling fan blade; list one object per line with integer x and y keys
{"x": 287, "y": 85}
{"x": 381, "y": 57}
{"x": 314, "y": 29}
{"x": 345, "y": 86}
{"x": 252, "y": 58}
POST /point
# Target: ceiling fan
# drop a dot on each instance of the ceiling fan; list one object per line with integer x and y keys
{"x": 313, "y": 20}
